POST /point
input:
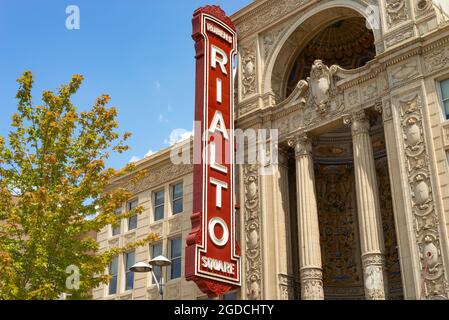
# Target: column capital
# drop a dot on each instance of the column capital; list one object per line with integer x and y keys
{"x": 302, "y": 144}
{"x": 358, "y": 121}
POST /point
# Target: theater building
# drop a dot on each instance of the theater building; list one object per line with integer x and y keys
{"x": 357, "y": 206}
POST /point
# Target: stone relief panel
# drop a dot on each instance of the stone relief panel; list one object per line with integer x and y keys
{"x": 399, "y": 36}
{"x": 248, "y": 70}
{"x": 253, "y": 262}
{"x": 405, "y": 71}
{"x": 437, "y": 59}
{"x": 397, "y": 12}
{"x": 423, "y": 7}
{"x": 159, "y": 176}
{"x": 269, "y": 41}
{"x": 265, "y": 15}
{"x": 426, "y": 221}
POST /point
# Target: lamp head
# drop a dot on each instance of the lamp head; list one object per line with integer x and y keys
{"x": 141, "y": 267}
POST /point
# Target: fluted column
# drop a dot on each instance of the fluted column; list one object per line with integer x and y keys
{"x": 368, "y": 205}
{"x": 308, "y": 235}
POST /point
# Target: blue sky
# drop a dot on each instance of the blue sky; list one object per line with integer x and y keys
{"x": 140, "y": 52}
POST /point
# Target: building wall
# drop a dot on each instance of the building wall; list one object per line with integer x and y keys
{"x": 163, "y": 174}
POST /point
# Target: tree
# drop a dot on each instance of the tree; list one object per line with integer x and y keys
{"x": 54, "y": 190}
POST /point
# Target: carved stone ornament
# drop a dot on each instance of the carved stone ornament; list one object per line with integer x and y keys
{"x": 426, "y": 221}
{"x": 253, "y": 262}
{"x": 397, "y": 11}
{"x": 302, "y": 145}
{"x": 248, "y": 71}
{"x": 312, "y": 284}
{"x": 320, "y": 83}
{"x": 358, "y": 121}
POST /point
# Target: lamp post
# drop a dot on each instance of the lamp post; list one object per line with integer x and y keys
{"x": 143, "y": 267}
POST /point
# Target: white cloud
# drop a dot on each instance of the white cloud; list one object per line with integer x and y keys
{"x": 134, "y": 159}
{"x": 157, "y": 85}
{"x": 162, "y": 118}
{"x": 178, "y": 135}
{"x": 149, "y": 153}
{"x": 169, "y": 108}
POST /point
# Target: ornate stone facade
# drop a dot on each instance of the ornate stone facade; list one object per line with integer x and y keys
{"x": 381, "y": 183}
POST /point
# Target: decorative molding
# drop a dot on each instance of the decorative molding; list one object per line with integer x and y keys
{"x": 397, "y": 12}
{"x": 302, "y": 145}
{"x": 437, "y": 59}
{"x": 426, "y": 221}
{"x": 287, "y": 286}
{"x": 312, "y": 284}
{"x": 399, "y": 36}
{"x": 270, "y": 40}
{"x": 253, "y": 232}
{"x": 159, "y": 176}
{"x": 373, "y": 275}
{"x": 248, "y": 67}
{"x": 266, "y": 14}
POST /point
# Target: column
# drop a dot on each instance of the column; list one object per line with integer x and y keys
{"x": 309, "y": 235}
{"x": 369, "y": 215}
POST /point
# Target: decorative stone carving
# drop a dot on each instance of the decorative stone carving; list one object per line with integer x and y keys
{"x": 269, "y": 40}
{"x": 321, "y": 85}
{"x": 373, "y": 275}
{"x": 287, "y": 286}
{"x": 302, "y": 145}
{"x": 248, "y": 68}
{"x": 266, "y": 14}
{"x": 427, "y": 227}
{"x": 405, "y": 71}
{"x": 159, "y": 176}
{"x": 398, "y": 37}
{"x": 437, "y": 59}
{"x": 312, "y": 284}
{"x": 247, "y": 108}
{"x": 253, "y": 263}
{"x": 397, "y": 11}
{"x": 423, "y": 7}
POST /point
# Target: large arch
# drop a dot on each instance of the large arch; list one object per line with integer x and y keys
{"x": 302, "y": 30}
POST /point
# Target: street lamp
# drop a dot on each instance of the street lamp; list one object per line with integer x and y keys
{"x": 143, "y": 267}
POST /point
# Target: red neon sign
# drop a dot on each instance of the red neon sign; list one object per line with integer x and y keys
{"x": 212, "y": 254}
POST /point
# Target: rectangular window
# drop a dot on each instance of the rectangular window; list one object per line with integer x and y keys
{"x": 156, "y": 250}
{"x": 159, "y": 205}
{"x": 129, "y": 275}
{"x": 132, "y": 221}
{"x": 113, "y": 272}
{"x": 116, "y": 230}
{"x": 177, "y": 198}
{"x": 175, "y": 258}
{"x": 445, "y": 95}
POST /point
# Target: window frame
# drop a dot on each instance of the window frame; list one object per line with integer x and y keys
{"x": 171, "y": 258}
{"x": 173, "y": 199}
{"x": 155, "y": 206}
{"x": 119, "y": 227}
{"x": 442, "y": 99}
{"x": 128, "y": 209}
{"x": 152, "y": 255}
{"x": 127, "y": 271}
{"x": 116, "y": 277}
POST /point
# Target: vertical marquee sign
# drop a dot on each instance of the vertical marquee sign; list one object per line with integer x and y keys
{"x": 212, "y": 254}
